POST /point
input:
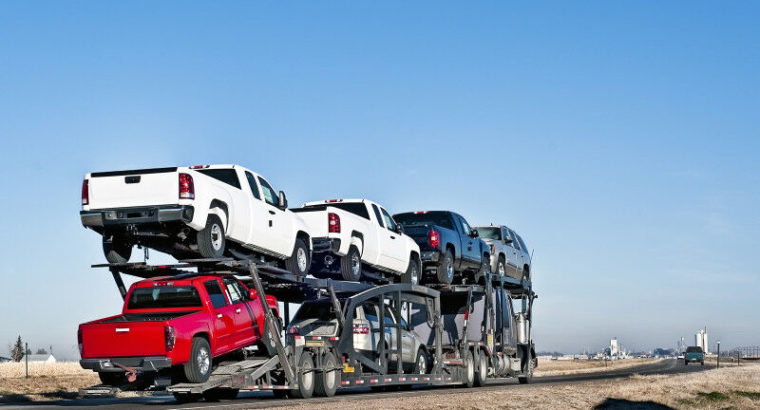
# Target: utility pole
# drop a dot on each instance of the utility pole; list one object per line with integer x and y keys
{"x": 718, "y": 354}
{"x": 26, "y": 358}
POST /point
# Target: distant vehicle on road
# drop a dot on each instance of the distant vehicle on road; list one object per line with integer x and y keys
{"x": 509, "y": 254}
{"x": 173, "y": 322}
{"x": 351, "y": 235}
{"x": 694, "y": 354}
{"x": 204, "y": 210}
{"x": 451, "y": 249}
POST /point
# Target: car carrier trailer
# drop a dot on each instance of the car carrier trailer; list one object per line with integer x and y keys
{"x": 466, "y": 340}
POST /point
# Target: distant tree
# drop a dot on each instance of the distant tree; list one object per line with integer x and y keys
{"x": 17, "y": 350}
{"x": 41, "y": 351}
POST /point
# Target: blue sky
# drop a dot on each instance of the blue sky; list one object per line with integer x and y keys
{"x": 620, "y": 139}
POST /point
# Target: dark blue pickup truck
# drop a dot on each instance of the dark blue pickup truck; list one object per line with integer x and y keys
{"x": 451, "y": 250}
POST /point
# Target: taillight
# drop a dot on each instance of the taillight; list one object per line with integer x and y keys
{"x": 186, "y": 187}
{"x": 294, "y": 330}
{"x": 86, "y": 192}
{"x": 361, "y": 329}
{"x": 170, "y": 336}
{"x": 333, "y": 222}
{"x": 79, "y": 341}
{"x": 434, "y": 238}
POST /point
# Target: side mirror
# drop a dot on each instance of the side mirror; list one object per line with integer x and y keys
{"x": 474, "y": 233}
{"x": 282, "y": 201}
{"x": 252, "y": 294}
{"x": 399, "y": 229}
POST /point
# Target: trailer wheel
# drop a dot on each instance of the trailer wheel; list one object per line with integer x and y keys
{"x": 482, "y": 372}
{"x": 328, "y": 380}
{"x": 412, "y": 274}
{"x": 211, "y": 240}
{"x": 305, "y": 377}
{"x": 116, "y": 250}
{"x": 198, "y": 368}
{"x": 351, "y": 265}
{"x": 300, "y": 262}
{"x": 445, "y": 274}
{"x": 220, "y": 394}
{"x": 528, "y": 373}
{"x": 468, "y": 370}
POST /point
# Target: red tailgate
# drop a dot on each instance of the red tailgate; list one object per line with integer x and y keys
{"x": 123, "y": 339}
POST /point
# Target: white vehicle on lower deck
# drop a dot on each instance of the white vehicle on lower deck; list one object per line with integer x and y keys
{"x": 351, "y": 236}
{"x": 207, "y": 210}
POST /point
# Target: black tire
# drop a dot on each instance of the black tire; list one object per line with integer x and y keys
{"x": 198, "y": 368}
{"x": 702, "y": 363}
{"x": 186, "y": 397}
{"x": 112, "y": 378}
{"x": 220, "y": 394}
{"x": 299, "y": 262}
{"x": 305, "y": 377}
{"x": 412, "y": 274}
{"x": 280, "y": 393}
{"x": 468, "y": 371}
{"x": 351, "y": 265}
{"x": 485, "y": 269}
{"x": 116, "y": 250}
{"x": 327, "y": 382}
{"x": 528, "y": 373}
{"x": 502, "y": 263}
{"x": 445, "y": 274}
{"x": 211, "y": 240}
{"x": 685, "y": 362}
{"x": 481, "y": 373}
{"x": 421, "y": 363}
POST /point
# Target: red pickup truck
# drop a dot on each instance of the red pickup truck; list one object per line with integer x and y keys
{"x": 181, "y": 322}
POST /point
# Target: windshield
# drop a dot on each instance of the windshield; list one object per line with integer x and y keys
{"x": 440, "y": 218}
{"x": 164, "y": 297}
{"x": 321, "y": 311}
{"x": 489, "y": 232}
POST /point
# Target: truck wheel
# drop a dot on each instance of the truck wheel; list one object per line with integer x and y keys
{"x": 211, "y": 240}
{"x": 501, "y": 266}
{"x": 420, "y": 363}
{"x": 198, "y": 368}
{"x": 305, "y": 377}
{"x": 412, "y": 274}
{"x": 351, "y": 265}
{"x": 528, "y": 373}
{"x": 445, "y": 273}
{"x": 482, "y": 372}
{"x": 112, "y": 379}
{"x": 468, "y": 370}
{"x": 328, "y": 380}
{"x": 300, "y": 262}
{"x": 116, "y": 251}
{"x": 485, "y": 269}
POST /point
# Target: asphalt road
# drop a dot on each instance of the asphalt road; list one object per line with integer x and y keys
{"x": 254, "y": 400}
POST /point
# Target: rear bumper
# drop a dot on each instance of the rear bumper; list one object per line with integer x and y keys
{"x": 141, "y": 364}
{"x": 114, "y": 217}
{"x": 694, "y": 359}
{"x": 323, "y": 244}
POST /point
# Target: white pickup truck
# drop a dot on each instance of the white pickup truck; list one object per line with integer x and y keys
{"x": 351, "y": 236}
{"x": 211, "y": 210}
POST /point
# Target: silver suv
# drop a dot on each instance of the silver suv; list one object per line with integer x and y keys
{"x": 509, "y": 254}
{"x": 317, "y": 318}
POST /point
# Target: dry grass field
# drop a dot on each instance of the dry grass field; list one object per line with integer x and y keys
{"x": 563, "y": 367}
{"x": 45, "y": 382}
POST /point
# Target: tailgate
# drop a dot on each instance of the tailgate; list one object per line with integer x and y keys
{"x": 158, "y": 186}
{"x": 123, "y": 339}
{"x": 315, "y": 221}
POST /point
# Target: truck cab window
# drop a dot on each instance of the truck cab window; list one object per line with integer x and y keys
{"x": 270, "y": 196}
{"x": 215, "y": 294}
{"x": 235, "y": 291}
{"x": 465, "y": 226}
{"x": 389, "y": 222}
{"x": 252, "y": 184}
{"x": 377, "y": 215}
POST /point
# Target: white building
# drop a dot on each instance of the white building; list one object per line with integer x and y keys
{"x": 614, "y": 347}
{"x": 40, "y": 358}
{"x": 700, "y": 339}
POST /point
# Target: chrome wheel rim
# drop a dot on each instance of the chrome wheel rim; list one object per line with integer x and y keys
{"x": 203, "y": 360}
{"x": 301, "y": 259}
{"x": 330, "y": 376}
{"x": 216, "y": 236}
{"x": 414, "y": 275}
{"x": 307, "y": 378}
{"x": 501, "y": 269}
{"x": 450, "y": 271}
{"x": 422, "y": 365}
{"x": 355, "y": 265}
{"x": 470, "y": 370}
